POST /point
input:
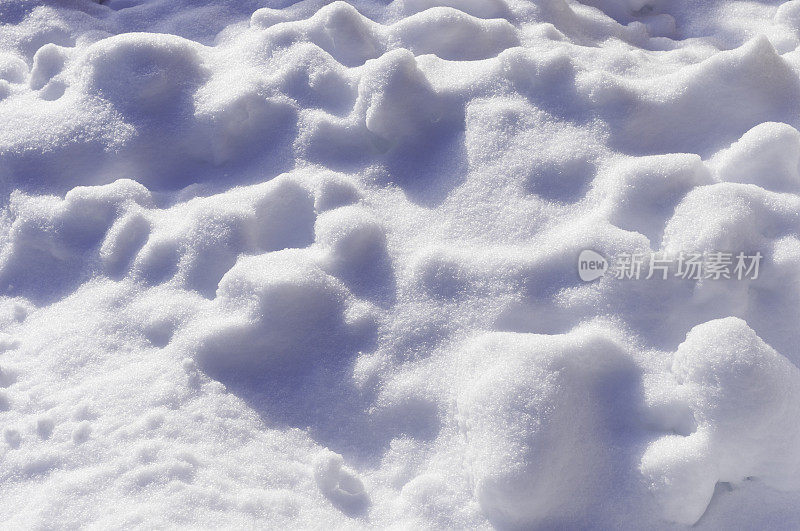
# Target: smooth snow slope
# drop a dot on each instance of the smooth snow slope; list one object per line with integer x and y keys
{"x": 313, "y": 264}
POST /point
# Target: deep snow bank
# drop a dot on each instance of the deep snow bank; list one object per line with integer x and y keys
{"x": 284, "y": 264}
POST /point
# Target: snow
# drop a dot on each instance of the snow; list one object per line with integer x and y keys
{"x": 735, "y": 384}
{"x": 312, "y": 264}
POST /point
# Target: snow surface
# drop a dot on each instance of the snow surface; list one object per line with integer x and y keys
{"x": 313, "y": 264}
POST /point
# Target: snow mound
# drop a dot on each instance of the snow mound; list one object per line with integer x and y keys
{"x": 536, "y": 421}
{"x": 291, "y": 308}
{"x": 734, "y": 383}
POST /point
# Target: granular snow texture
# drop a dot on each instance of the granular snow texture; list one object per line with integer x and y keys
{"x": 312, "y": 264}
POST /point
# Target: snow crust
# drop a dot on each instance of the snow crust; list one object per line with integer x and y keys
{"x": 312, "y": 264}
